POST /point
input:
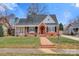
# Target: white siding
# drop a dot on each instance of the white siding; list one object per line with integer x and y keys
{"x": 51, "y": 28}
{"x": 48, "y": 19}
{"x": 20, "y": 31}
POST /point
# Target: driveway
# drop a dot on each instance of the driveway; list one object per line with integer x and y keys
{"x": 71, "y": 37}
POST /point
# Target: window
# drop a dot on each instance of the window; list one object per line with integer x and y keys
{"x": 75, "y": 29}
{"x": 20, "y": 31}
{"x": 51, "y": 29}
{"x": 31, "y": 29}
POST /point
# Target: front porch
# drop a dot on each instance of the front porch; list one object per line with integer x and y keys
{"x": 41, "y": 29}
{"x": 76, "y": 30}
{"x": 24, "y": 31}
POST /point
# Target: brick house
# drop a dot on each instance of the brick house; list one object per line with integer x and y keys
{"x": 37, "y": 25}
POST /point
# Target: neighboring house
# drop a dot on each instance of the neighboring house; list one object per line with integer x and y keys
{"x": 3, "y": 22}
{"x": 38, "y": 24}
{"x": 73, "y": 28}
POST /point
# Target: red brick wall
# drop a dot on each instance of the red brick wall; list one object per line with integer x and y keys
{"x": 52, "y": 33}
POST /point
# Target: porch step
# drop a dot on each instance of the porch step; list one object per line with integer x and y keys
{"x": 47, "y": 46}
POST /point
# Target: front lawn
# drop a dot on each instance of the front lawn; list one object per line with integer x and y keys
{"x": 19, "y": 42}
{"x": 63, "y": 42}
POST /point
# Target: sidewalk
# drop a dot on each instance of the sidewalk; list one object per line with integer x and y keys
{"x": 71, "y": 37}
{"x": 66, "y": 51}
{"x": 38, "y": 51}
{"x": 27, "y": 50}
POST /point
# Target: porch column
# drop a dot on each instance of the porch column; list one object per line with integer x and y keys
{"x": 15, "y": 30}
{"x": 25, "y": 31}
{"x": 38, "y": 30}
{"x": 45, "y": 30}
{"x": 57, "y": 28}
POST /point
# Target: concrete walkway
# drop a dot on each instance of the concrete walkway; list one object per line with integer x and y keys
{"x": 45, "y": 41}
{"x": 71, "y": 37}
{"x": 27, "y": 50}
{"x": 38, "y": 51}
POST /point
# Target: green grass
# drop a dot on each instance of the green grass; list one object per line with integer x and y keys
{"x": 63, "y": 40}
{"x": 19, "y": 42}
{"x": 65, "y": 43}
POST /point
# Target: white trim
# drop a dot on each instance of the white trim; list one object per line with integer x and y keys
{"x": 26, "y": 25}
{"x": 52, "y": 25}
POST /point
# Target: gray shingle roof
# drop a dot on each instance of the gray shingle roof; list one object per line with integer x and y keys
{"x": 35, "y": 20}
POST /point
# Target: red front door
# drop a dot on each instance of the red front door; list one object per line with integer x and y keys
{"x": 42, "y": 30}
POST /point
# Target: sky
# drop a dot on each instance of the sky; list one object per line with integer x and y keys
{"x": 64, "y": 12}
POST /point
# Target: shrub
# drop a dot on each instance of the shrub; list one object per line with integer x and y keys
{"x": 1, "y": 31}
{"x": 11, "y": 32}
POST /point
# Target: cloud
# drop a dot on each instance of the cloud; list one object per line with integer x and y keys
{"x": 2, "y": 9}
{"x": 67, "y": 14}
{"x": 9, "y": 6}
{"x": 76, "y": 5}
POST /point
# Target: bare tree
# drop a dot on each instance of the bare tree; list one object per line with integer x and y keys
{"x": 35, "y": 8}
{"x": 4, "y": 13}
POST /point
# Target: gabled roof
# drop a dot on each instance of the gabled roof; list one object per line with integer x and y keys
{"x": 75, "y": 24}
{"x": 35, "y": 20}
